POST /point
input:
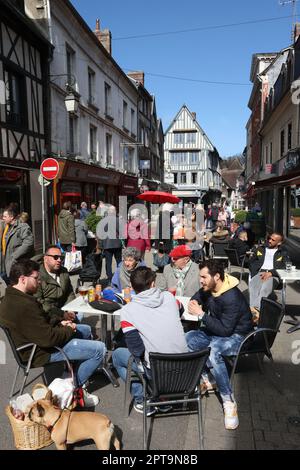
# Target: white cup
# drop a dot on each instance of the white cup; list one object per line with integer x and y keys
{"x": 293, "y": 268}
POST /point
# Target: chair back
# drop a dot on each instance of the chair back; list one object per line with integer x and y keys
{"x": 233, "y": 256}
{"x": 13, "y": 347}
{"x": 176, "y": 374}
{"x": 219, "y": 249}
{"x": 271, "y": 315}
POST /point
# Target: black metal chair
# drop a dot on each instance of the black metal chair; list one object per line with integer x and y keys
{"x": 175, "y": 380}
{"x": 26, "y": 367}
{"x": 260, "y": 341}
{"x": 235, "y": 260}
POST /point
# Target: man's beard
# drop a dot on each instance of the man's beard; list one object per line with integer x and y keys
{"x": 211, "y": 286}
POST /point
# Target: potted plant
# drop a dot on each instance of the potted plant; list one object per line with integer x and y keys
{"x": 295, "y": 217}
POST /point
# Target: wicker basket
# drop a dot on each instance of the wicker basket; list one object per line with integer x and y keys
{"x": 28, "y": 435}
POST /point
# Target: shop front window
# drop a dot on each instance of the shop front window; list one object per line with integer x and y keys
{"x": 294, "y": 212}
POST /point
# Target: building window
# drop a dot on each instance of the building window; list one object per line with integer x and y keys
{"x": 179, "y": 138}
{"x": 132, "y": 123}
{"x": 191, "y": 137}
{"x": 271, "y": 152}
{"x": 175, "y": 178}
{"x": 183, "y": 178}
{"x": 107, "y": 100}
{"x": 91, "y": 85}
{"x": 289, "y": 143}
{"x": 266, "y": 154}
{"x": 72, "y": 134}
{"x": 128, "y": 158}
{"x": 15, "y": 99}
{"x": 70, "y": 56}
{"x": 294, "y": 213}
{"x": 194, "y": 178}
{"x": 93, "y": 143}
{"x": 194, "y": 158}
{"x": 125, "y": 115}
{"x": 282, "y": 142}
{"x": 109, "y": 158}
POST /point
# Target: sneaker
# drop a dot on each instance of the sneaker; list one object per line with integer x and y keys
{"x": 207, "y": 385}
{"x": 139, "y": 407}
{"x": 231, "y": 418}
{"x": 89, "y": 399}
{"x": 164, "y": 408}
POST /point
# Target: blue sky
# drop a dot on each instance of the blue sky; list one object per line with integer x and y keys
{"x": 220, "y": 54}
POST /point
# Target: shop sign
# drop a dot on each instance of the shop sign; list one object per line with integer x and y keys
{"x": 71, "y": 187}
{"x": 10, "y": 175}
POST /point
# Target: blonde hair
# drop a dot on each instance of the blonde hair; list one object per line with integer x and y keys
{"x": 24, "y": 217}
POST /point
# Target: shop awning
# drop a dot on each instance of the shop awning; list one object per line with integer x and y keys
{"x": 71, "y": 194}
{"x": 283, "y": 180}
{"x": 250, "y": 192}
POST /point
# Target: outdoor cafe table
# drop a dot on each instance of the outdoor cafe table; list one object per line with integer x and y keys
{"x": 78, "y": 305}
{"x": 288, "y": 276}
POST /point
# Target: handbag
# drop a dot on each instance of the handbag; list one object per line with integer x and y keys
{"x": 73, "y": 260}
{"x": 108, "y": 306}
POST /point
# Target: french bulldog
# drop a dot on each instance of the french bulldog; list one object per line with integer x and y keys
{"x": 68, "y": 427}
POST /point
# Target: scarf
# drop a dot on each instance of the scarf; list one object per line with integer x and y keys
{"x": 125, "y": 275}
{"x": 4, "y": 238}
{"x": 180, "y": 276}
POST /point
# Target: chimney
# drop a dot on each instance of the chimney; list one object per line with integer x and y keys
{"x": 194, "y": 116}
{"x": 139, "y": 76}
{"x": 296, "y": 31}
{"x": 104, "y": 37}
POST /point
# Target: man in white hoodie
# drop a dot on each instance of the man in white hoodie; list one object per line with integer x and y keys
{"x": 151, "y": 323}
{"x": 225, "y": 319}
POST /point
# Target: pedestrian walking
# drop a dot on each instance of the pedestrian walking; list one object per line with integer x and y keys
{"x": 66, "y": 227}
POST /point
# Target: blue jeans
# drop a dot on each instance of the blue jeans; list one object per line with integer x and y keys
{"x": 83, "y": 331}
{"x": 88, "y": 353}
{"x": 120, "y": 358}
{"x": 109, "y": 253}
{"x": 79, "y": 317}
{"x": 199, "y": 339}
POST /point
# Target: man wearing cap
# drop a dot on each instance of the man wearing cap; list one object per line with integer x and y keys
{"x": 182, "y": 273}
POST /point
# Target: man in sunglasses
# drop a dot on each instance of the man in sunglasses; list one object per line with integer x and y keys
{"x": 55, "y": 289}
{"x": 263, "y": 267}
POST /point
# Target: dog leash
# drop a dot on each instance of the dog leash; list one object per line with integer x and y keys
{"x": 50, "y": 428}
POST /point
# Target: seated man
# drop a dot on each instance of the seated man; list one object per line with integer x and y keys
{"x": 23, "y": 315}
{"x": 131, "y": 260}
{"x": 225, "y": 320}
{"x": 150, "y": 322}
{"x": 240, "y": 244}
{"x": 55, "y": 289}
{"x": 181, "y": 274}
{"x": 262, "y": 266}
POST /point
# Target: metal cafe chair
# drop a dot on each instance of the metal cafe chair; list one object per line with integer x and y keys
{"x": 175, "y": 379}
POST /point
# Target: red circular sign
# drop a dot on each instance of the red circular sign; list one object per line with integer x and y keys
{"x": 49, "y": 168}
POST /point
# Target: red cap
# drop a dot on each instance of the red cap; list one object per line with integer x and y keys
{"x": 180, "y": 251}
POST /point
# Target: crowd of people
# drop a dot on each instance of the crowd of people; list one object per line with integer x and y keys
{"x": 32, "y": 304}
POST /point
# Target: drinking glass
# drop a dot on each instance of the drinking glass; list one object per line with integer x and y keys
{"x": 83, "y": 291}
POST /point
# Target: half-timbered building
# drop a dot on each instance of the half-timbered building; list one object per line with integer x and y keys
{"x": 192, "y": 163}
{"x": 24, "y": 56}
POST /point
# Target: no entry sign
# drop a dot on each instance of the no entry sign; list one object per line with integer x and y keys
{"x": 49, "y": 168}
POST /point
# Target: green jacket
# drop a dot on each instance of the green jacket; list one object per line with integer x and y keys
{"x": 24, "y": 317}
{"x": 52, "y": 296}
{"x": 66, "y": 227}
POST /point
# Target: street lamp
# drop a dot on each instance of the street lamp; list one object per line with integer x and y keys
{"x": 72, "y": 98}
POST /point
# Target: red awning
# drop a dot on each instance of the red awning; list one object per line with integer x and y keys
{"x": 250, "y": 192}
{"x": 74, "y": 194}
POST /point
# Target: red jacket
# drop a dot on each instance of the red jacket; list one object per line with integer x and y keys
{"x": 137, "y": 235}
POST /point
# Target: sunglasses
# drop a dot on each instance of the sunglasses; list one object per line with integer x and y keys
{"x": 56, "y": 257}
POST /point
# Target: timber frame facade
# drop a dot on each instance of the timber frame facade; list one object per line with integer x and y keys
{"x": 24, "y": 58}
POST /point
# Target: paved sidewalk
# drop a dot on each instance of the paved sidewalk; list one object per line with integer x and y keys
{"x": 263, "y": 411}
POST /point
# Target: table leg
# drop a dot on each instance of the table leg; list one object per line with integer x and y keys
{"x": 106, "y": 367}
{"x": 283, "y": 296}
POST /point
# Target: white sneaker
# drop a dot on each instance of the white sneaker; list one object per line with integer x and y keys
{"x": 89, "y": 399}
{"x": 231, "y": 418}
